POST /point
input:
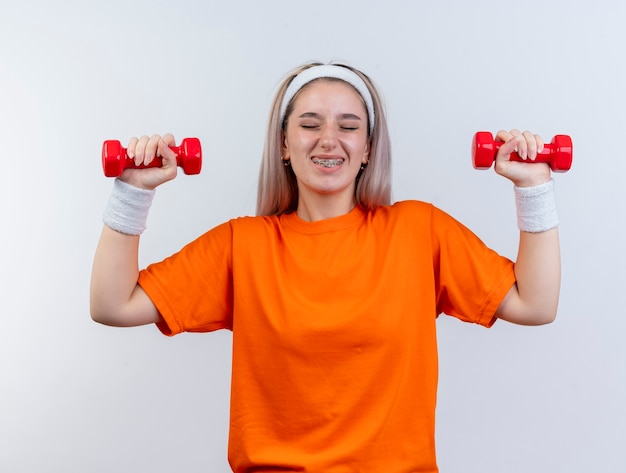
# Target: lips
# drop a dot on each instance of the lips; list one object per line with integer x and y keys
{"x": 328, "y": 162}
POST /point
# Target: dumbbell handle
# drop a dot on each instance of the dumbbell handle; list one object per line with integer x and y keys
{"x": 557, "y": 153}
{"x": 115, "y": 157}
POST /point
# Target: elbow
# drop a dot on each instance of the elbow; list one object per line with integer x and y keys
{"x": 547, "y": 314}
{"x": 524, "y": 315}
{"x": 533, "y": 310}
{"x": 102, "y": 313}
{"x": 544, "y": 317}
{"x": 99, "y": 316}
{"x": 124, "y": 315}
{"x": 549, "y": 318}
{"x": 105, "y": 311}
{"x": 96, "y": 315}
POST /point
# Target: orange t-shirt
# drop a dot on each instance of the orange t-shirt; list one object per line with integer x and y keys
{"x": 334, "y": 345}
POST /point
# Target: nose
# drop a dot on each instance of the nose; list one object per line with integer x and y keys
{"x": 328, "y": 138}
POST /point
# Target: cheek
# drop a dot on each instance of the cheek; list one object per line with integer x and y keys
{"x": 361, "y": 148}
{"x": 290, "y": 142}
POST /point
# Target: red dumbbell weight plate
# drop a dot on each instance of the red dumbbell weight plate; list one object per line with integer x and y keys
{"x": 483, "y": 150}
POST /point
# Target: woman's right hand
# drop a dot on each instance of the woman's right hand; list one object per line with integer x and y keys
{"x": 144, "y": 150}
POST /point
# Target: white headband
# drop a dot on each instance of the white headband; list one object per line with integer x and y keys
{"x": 335, "y": 72}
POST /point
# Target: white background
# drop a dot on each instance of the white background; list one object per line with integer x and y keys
{"x": 79, "y": 397}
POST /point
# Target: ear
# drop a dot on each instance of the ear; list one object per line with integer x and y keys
{"x": 285, "y": 148}
{"x": 366, "y": 152}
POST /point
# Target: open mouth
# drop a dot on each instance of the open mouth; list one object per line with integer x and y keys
{"x": 328, "y": 163}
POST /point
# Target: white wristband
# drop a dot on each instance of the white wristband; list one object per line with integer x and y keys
{"x": 127, "y": 209}
{"x": 536, "y": 207}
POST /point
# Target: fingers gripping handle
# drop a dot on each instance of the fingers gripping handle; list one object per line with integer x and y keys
{"x": 115, "y": 158}
{"x": 558, "y": 153}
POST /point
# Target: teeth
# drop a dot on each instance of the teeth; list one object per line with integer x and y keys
{"x": 328, "y": 163}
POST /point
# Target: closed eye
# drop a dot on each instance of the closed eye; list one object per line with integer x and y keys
{"x": 347, "y": 121}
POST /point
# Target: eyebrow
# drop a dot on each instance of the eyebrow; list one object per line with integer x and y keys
{"x": 345, "y": 116}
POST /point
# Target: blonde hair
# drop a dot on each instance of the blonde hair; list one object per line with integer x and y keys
{"x": 278, "y": 188}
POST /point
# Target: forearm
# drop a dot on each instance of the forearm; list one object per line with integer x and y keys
{"x": 534, "y": 298}
{"x": 538, "y": 276}
{"x": 116, "y": 299}
{"x": 115, "y": 271}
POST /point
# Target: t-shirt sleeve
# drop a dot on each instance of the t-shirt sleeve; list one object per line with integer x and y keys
{"x": 471, "y": 278}
{"x": 193, "y": 289}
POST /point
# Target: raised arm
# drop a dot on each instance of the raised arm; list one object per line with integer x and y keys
{"x": 115, "y": 297}
{"x": 533, "y": 300}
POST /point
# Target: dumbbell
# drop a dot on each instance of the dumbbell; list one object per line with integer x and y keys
{"x": 115, "y": 158}
{"x": 558, "y": 153}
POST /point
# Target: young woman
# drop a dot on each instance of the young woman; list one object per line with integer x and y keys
{"x": 331, "y": 291}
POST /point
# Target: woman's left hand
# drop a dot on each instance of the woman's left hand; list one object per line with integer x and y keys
{"x": 526, "y": 145}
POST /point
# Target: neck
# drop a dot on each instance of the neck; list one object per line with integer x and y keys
{"x": 322, "y": 207}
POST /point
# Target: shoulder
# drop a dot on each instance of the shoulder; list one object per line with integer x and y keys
{"x": 424, "y": 215}
{"x": 254, "y": 229}
{"x": 411, "y": 206}
{"x": 416, "y": 207}
{"x": 252, "y": 223}
{"x": 405, "y": 210}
